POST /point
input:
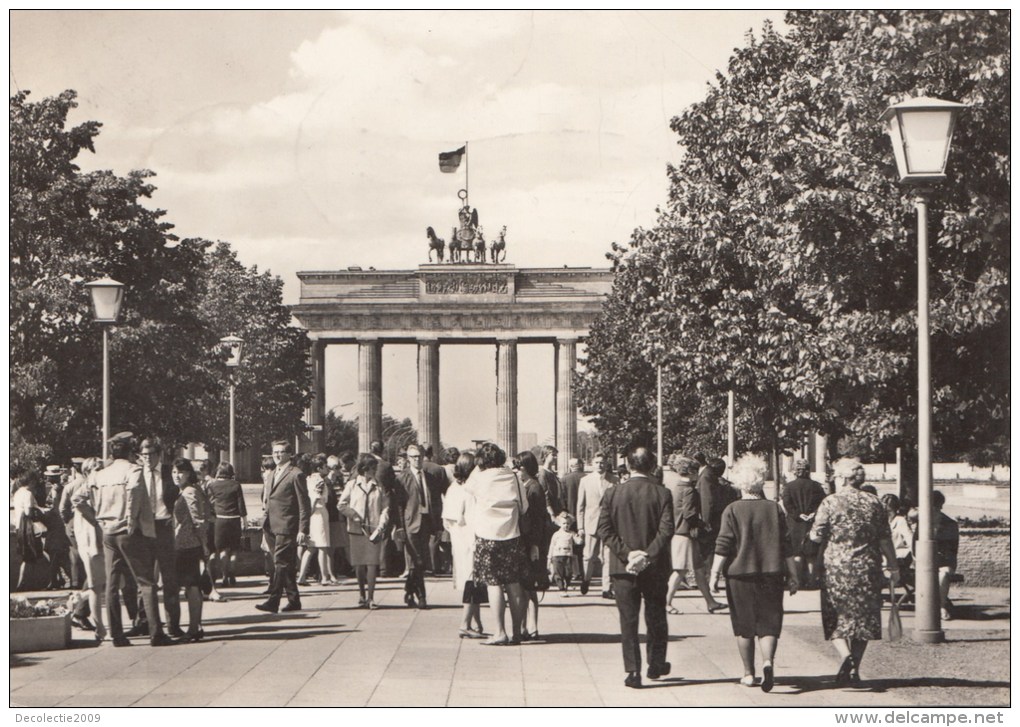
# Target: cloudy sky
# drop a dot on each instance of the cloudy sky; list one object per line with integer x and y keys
{"x": 309, "y": 140}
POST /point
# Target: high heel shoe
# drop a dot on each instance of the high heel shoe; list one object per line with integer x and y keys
{"x": 718, "y": 607}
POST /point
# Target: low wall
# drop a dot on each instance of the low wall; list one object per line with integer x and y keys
{"x": 983, "y": 558}
{"x": 941, "y": 472}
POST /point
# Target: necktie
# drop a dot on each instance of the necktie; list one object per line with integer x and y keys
{"x": 424, "y": 491}
{"x": 152, "y": 487}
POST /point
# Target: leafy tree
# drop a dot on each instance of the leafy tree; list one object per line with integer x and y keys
{"x": 66, "y": 228}
{"x": 273, "y": 385}
{"x": 397, "y": 435}
{"x": 784, "y": 266}
{"x": 168, "y": 378}
{"x": 341, "y": 435}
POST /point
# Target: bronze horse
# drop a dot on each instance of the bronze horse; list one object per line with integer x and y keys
{"x": 480, "y": 247}
{"x": 456, "y": 247}
{"x": 436, "y": 243}
{"x": 499, "y": 246}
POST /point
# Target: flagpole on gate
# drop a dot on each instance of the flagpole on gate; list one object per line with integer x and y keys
{"x": 467, "y": 186}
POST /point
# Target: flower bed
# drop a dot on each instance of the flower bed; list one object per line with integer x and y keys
{"x": 40, "y": 626}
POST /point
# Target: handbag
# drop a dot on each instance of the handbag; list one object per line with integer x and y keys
{"x": 895, "y": 625}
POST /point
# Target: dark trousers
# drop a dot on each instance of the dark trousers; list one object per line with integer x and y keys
{"x": 127, "y": 557}
{"x": 165, "y": 570}
{"x": 77, "y": 567}
{"x": 562, "y": 567}
{"x": 269, "y": 561}
{"x": 630, "y": 590}
{"x": 285, "y": 563}
{"x": 60, "y": 560}
{"x": 416, "y": 552}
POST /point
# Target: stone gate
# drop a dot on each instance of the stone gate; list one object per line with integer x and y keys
{"x": 437, "y": 304}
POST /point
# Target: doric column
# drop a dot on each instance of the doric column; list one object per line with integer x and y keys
{"x": 821, "y": 446}
{"x": 506, "y": 396}
{"x": 428, "y": 393}
{"x": 566, "y": 413}
{"x": 317, "y": 407}
{"x": 369, "y": 392}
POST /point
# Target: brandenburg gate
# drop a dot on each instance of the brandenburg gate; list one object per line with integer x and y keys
{"x": 443, "y": 304}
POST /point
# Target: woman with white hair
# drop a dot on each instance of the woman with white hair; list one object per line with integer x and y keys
{"x": 854, "y": 531}
{"x": 753, "y": 551}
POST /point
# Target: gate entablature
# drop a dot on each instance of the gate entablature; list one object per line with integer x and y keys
{"x": 451, "y": 303}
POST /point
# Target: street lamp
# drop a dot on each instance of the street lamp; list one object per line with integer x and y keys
{"x": 235, "y": 346}
{"x": 107, "y": 298}
{"x": 921, "y": 130}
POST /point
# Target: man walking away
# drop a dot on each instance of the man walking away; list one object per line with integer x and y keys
{"x": 636, "y": 524}
{"x": 801, "y": 498}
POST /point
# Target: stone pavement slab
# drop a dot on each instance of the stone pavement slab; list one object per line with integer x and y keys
{"x": 334, "y": 654}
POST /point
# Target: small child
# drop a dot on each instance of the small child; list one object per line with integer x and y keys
{"x": 561, "y": 550}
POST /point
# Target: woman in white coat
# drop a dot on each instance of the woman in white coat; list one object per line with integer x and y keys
{"x": 457, "y": 504}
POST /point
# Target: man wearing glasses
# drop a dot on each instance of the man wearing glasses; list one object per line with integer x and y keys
{"x": 417, "y": 526}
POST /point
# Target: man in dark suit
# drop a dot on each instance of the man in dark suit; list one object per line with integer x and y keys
{"x": 801, "y": 498}
{"x": 385, "y": 474}
{"x": 163, "y": 493}
{"x": 636, "y": 524}
{"x": 569, "y": 486}
{"x": 419, "y": 514}
{"x": 548, "y": 480}
{"x": 438, "y": 481}
{"x": 715, "y": 495}
{"x": 288, "y": 510}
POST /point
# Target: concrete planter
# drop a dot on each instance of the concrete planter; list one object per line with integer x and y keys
{"x": 43, "y": 633}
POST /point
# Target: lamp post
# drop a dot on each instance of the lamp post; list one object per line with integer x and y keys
{"x": 921, "y": 130}
{"x": 235, "y": 345}
{"x": 731, "y": 428}
{"x": 107, "y": 298}
{"x": 658, "y": 414}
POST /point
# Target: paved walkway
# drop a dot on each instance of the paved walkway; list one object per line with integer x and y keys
{"x": 332, "y": 654}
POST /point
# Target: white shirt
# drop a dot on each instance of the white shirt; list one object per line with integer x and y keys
{"x": 423, "y": 489}
{"x": 499, "y": 502}
{"x": 159, "y": 509}
{"x": 21, "y": 503}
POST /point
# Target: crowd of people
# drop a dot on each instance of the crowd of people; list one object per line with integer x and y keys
{"x": 506, "y": 526}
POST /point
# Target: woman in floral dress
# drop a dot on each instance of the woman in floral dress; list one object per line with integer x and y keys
{"x": 853, "y": 528}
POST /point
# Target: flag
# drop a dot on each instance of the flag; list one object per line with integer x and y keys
{"x": 450, "y": 160}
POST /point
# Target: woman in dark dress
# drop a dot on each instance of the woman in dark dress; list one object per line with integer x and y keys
{"x": 192, "y": 513}
{"x": 753, "y": 551}
{"x": 536, "y": 532}
{"x": 853, "y": 529}
{"x": 227, "y": 499}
